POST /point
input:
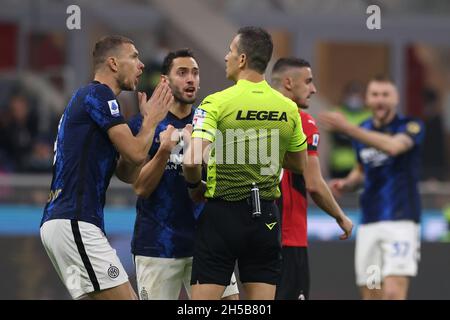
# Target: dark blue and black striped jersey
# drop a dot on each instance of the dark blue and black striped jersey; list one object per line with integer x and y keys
{"x": 390, "y": 187}
{"x": 165, "y": 221}
{"x": 85, "y": 158}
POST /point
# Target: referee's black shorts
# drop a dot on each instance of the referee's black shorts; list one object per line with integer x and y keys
{"x": 226, "y": 232}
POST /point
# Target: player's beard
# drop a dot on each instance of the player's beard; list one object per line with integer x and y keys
{"x": 178, "y": 96}
{"x": 124, "y": 85}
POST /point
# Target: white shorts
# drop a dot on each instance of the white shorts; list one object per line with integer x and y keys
{"x": 386, "y": 248}
{"x": 82, "y": 256}
{"x": 161, "y": 278}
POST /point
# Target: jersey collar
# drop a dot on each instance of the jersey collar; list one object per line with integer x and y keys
{"x": 243, "y": 82}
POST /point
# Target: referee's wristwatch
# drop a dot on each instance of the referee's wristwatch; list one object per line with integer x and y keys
{"x": 193, "y": 185}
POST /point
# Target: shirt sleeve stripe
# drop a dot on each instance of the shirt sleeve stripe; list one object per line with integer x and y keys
{"x": 204, "y": 131}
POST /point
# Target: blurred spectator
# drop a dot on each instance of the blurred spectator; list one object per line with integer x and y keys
{"x": 446, "y": 212}
{"x": 40, "y": 159}
{"x": 342, "y": 156}
{"x": 19, "y": 128}
{"x": 434, "y": 154}
{"x": 152, "y": 70}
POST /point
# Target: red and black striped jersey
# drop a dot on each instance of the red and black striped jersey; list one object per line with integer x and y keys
{"x": 293, "y": 200}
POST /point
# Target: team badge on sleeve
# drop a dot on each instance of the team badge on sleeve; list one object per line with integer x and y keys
{"x": 413, "y": 127}
{"x": 114, "y": 107}
{"x": 199, "y": 117}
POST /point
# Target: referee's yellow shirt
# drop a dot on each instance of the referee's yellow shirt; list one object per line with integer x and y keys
{"x": 251, "y": 126}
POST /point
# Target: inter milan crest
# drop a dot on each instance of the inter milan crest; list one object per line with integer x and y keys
{"x": 113, "y": 272}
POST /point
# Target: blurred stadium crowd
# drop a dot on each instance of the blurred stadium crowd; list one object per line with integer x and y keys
{"x": 39, "y": 70}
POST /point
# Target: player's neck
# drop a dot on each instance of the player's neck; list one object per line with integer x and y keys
{"x": 109, "y": 81}
{"x": 181, "y": 110}
{"x": 284, "y": 92}
{"x": 250, "y": 75}
{"x": 384, "y": 121}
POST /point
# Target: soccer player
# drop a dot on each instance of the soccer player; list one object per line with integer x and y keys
{"x": 92, "y": 134}
{"x": 388, "y": 150}
{"x": 256, "y": 130}
{"x": 163, "y": 239}
{"x": 293, "y": 78}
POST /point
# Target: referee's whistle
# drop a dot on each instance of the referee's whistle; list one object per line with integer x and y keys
{"x": 256, "y": 204}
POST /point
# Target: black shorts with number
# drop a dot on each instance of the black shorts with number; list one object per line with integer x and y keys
{"x": 294, "y": 282}
{"x": 227, "y": 233}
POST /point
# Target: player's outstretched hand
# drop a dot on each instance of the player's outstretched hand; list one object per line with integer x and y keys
{"x": 337, "y": 187}
{"x": 333, "y": 121}
{"x": 169, "y": 138}
{"x": 346, "y": 225}
{"x": 158, "y": 105}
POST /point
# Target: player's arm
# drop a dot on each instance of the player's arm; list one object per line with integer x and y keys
{"x": 350, "y": 183}
{"x": 150, "y": 174}
{"x": 392, "y": 145}
{"x": 322, "y": 196}
{"x": 134, "y": 149}
{"x": 295, "y": 158}
{"x": 198, "y": 140}
{"x": 192, "y": 167}
{"x": 295, "y": 161}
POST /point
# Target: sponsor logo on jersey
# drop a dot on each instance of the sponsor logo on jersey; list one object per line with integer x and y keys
{"x": 261, "y": 115}
{"x": 373, "y": 157}
{"x": 114, "y": 107}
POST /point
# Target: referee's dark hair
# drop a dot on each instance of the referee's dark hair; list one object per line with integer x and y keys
{"x": 172, "y": 55}
{"x": 256, "y": 43}
{"x": 105, "y": 46}
{"x": 291, "y": 62}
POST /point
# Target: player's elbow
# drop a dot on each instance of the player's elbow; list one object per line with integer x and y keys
{"x": 137, "y": 158}
{"x": 312, "y": 189}
{"x": 125, "y": 178}
{"x": 140, "y": 191}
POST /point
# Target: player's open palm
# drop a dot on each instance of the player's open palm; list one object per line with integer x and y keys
{"x": 158, "y": 105}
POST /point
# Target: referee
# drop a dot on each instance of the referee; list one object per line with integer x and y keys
{"x": 249, "y": 131}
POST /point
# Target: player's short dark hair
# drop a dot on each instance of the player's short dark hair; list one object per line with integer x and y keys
{"x": 172, "y": 55}
{"x": 283, "y": 64}
{"x": 382, "y": 78}
{"x": 105, "y": 46}
{"x": 256, "y": 43}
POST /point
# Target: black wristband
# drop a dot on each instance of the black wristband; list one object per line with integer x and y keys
{"x": 193, "y": 185}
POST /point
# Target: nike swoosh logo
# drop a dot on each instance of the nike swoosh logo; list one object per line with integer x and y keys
{"x": 271, "y": 225}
